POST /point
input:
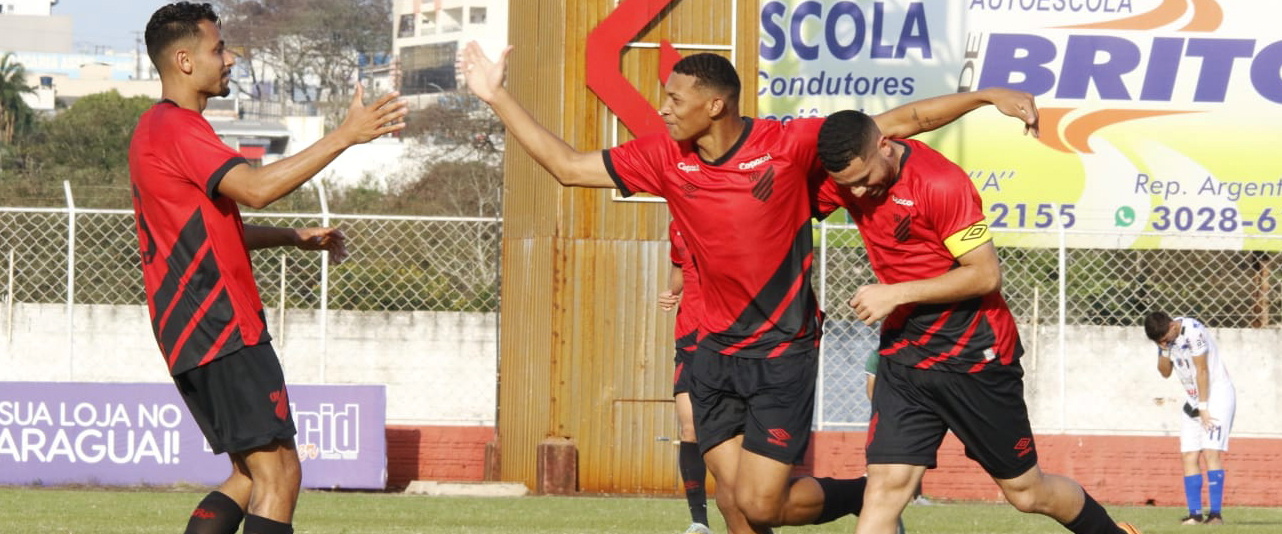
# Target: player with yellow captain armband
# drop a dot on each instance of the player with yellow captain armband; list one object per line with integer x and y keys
{"x": 949, "y": 347}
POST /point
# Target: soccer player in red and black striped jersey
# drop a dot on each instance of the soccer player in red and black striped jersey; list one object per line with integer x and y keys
{"x": 741, "y": 190}
{"x": 206, "y": 313}
{"x": 949, "y": 347}
{"x": 683, "y": 293}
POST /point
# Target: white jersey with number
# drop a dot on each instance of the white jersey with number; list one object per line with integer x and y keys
{"x": 1195, "y": 340}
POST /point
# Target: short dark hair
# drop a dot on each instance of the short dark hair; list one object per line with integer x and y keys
{"x": 844, "y": 136}
{"x": 711, "y": 70}
{"x": 1156, "y": 325}
{"x": 173, "y": 23}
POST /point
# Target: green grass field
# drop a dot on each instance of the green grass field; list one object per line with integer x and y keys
{"x": 66, "y": 511}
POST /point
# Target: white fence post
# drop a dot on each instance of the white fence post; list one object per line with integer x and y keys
{"x": 71, "y": 281}
{"x": 280, "y": 331}
{"x": 324, "y": 296}
{"x": 1063, "y": 324}
{"x": 823, "y": 305}
{"x": 8, "y": 302}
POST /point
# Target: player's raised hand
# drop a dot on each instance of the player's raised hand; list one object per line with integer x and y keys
{"x": 367, "y": 122}
{"x": 330, "y": 240}
{"x": 1016, "y": 104}
{"x": 483, "y": 76}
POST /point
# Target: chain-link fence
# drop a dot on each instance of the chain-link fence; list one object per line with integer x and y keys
{"x": 396, "y": 263}
{"x": 424, "y": 264}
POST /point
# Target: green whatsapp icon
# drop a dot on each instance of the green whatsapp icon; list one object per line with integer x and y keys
{"x": 1124, "y": 216}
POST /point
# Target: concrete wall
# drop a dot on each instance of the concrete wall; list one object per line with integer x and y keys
{"x": 1118, "y": 436}
{"x": 1112, "y": 386}
{"x": 439, "y": 367}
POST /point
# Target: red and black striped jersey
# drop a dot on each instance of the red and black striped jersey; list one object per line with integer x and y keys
{"x": 687, "y": 324}
{"x": 196, "y": 270}
{"x": 746, "y": 220}
{"x": 928, "y": 218}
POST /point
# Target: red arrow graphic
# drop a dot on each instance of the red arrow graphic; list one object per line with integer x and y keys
{"x": 668, "y": 58}
{"x": 604, "y": 56}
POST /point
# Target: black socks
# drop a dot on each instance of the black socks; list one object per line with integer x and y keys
{"x": 693, "y": 473}
{"x": 216, "y": 514}
{"x": 841, "y": 497}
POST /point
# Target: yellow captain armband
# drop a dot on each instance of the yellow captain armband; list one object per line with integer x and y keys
{"x": 968, "y": 238}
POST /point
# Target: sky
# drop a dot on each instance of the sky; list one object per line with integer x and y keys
{"x": 107, "y": 23}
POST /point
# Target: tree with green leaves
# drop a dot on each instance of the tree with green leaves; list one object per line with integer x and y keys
{"x": 15, "y": 116}
{"x": 86, "y": 144}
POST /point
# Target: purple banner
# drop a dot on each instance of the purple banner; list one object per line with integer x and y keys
{"x": 123, "y": 434}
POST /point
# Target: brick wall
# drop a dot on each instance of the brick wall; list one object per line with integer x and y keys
{"x": 454, "y": 453}
{"x": 1115, "y": 469}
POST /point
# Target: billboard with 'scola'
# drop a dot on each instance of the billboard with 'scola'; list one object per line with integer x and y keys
{"x": 1157, "y": 116}
{"x": 54, "y": 433}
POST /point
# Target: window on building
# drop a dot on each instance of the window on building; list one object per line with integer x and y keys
{"x": 428, "y": 69}
{"x": 476, "y": 15}
{"x": 452, "y": 20}
{"x": 406, "y": 28}
{"x": 429, "y": 23}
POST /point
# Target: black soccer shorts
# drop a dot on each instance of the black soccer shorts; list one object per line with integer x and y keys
{"x": 239, "y": 401}
{"x": 913, "y": 408}
{"x": 770, "y": 401}
{"x": 681, "y": 375}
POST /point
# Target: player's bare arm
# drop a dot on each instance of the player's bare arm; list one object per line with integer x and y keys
{"x": 330, "y": 240}
{"x": 979, "y": 274}
{"x": 1203, "y": 390}
{"x": 925, "y": 115}
{"x": 259, "y": 187}
{"x": 570, "y": 167}
{"x": 672, "y": 296}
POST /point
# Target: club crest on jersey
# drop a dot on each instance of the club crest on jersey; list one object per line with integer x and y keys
{"x": 687, "y": 167}
{"x": 901, "y": 201}
{"x": 764, "y": 184}
{"x": 754, "y": 163}
{"x": 902, "y": 230}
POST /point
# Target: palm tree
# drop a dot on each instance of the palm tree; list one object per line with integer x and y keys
{"x": 15, "y": 115}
